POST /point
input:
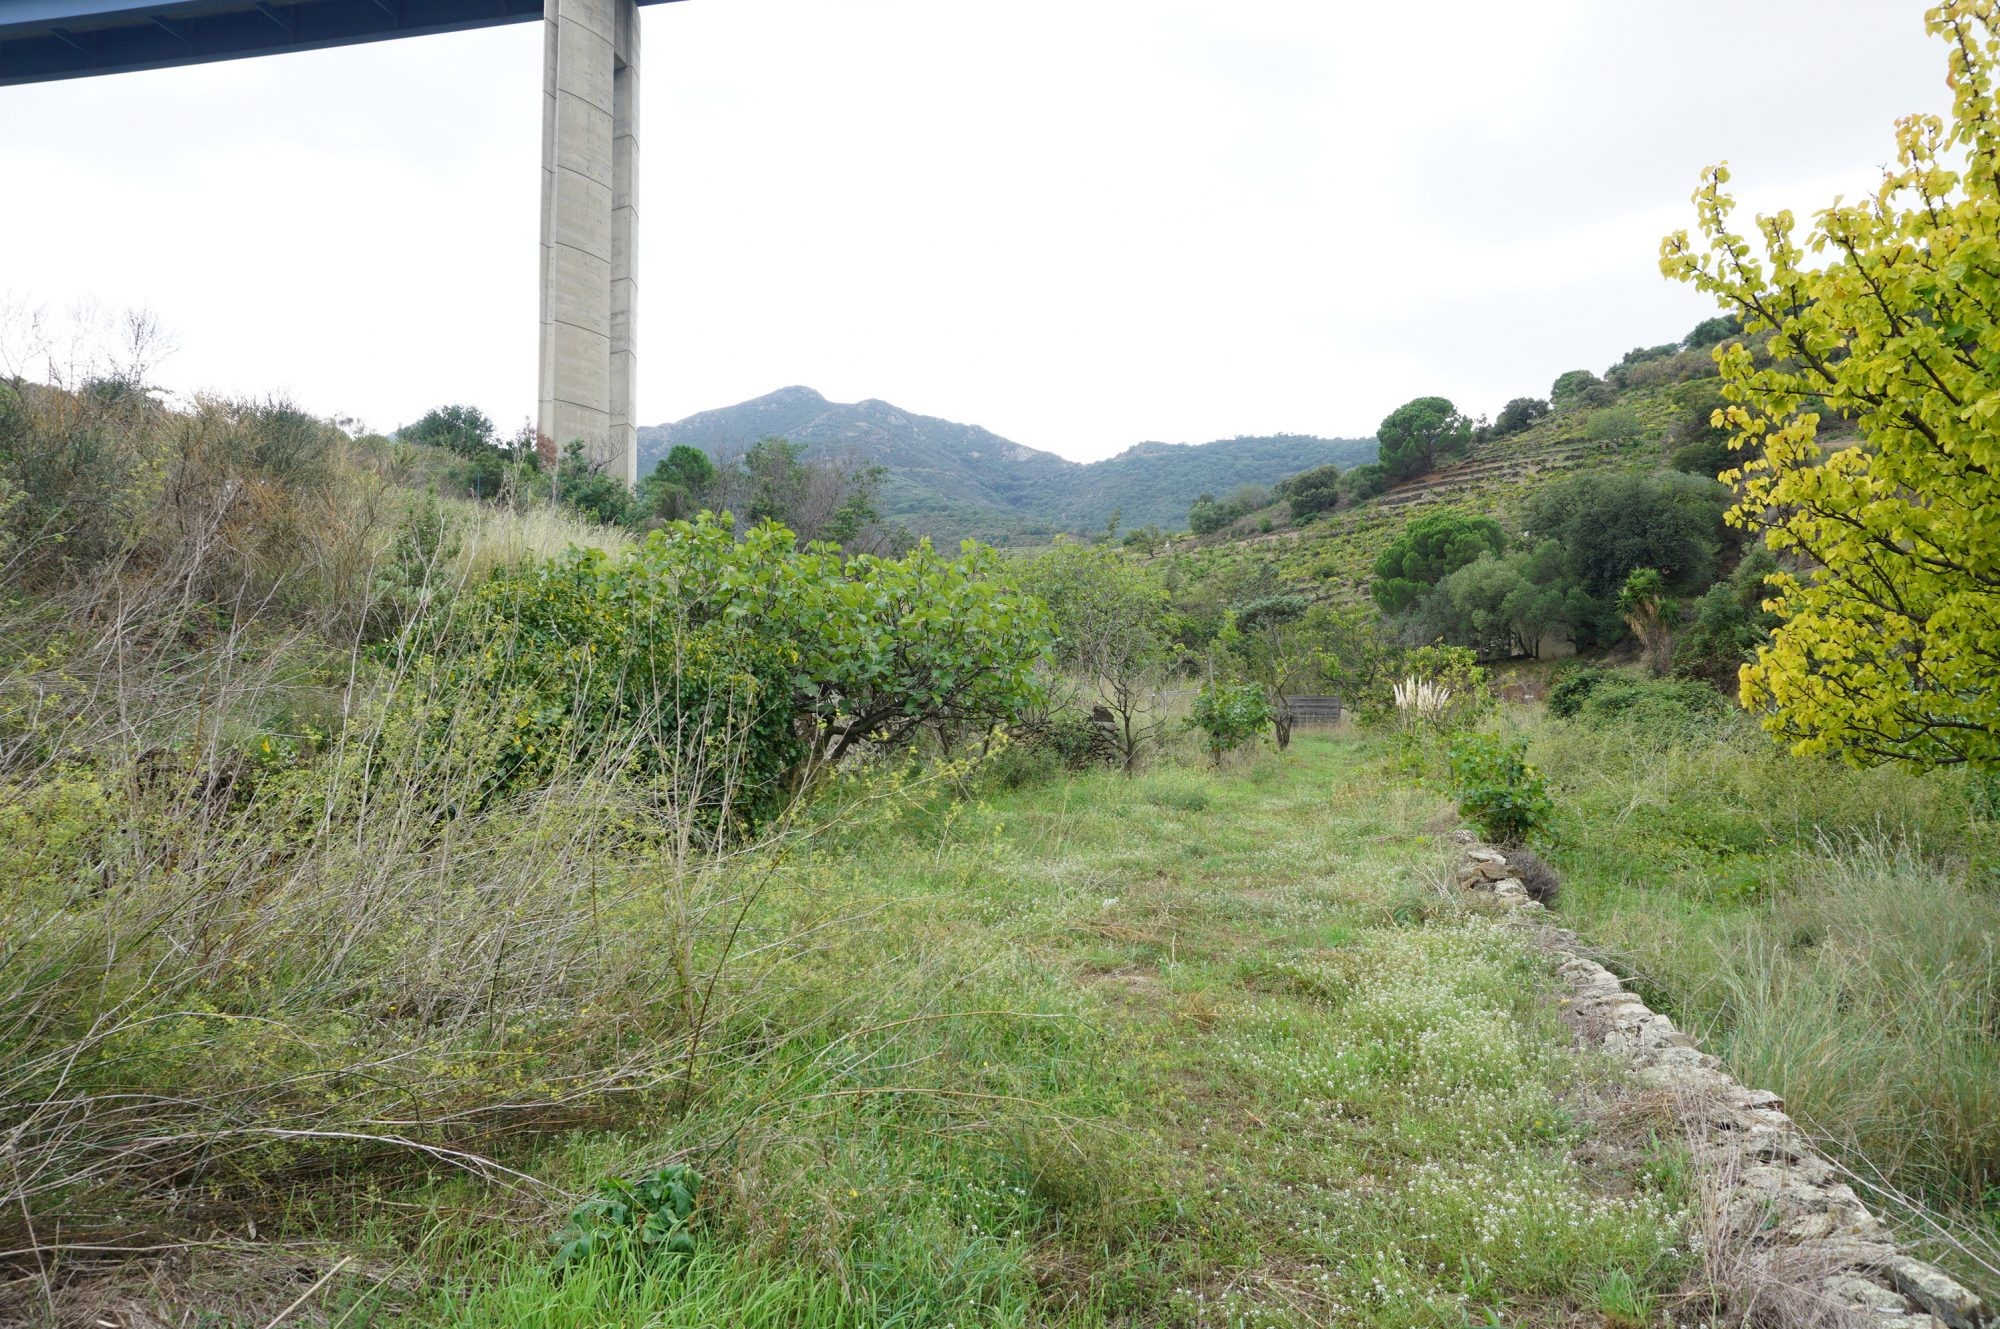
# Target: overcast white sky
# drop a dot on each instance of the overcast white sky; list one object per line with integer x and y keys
{"x": 1080, "y": 223}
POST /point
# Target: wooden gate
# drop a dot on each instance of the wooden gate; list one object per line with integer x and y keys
{"x": 1314, "y": 710}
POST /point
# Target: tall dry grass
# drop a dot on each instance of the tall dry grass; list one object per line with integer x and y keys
{"x": 264, "y": 934}
{"x": 1834, "y": 934}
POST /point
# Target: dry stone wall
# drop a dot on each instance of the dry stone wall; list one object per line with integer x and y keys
{"x": 1792, "y": 1226}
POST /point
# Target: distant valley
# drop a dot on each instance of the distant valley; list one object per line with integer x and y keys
{"x": 951, "y": 480}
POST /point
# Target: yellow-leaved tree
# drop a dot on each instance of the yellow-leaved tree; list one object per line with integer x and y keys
{"x": 1887, "y": 314}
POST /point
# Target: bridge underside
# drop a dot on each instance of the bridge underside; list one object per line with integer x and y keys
{"x": 590, "y": 150}
{"x": 53, "y": 39}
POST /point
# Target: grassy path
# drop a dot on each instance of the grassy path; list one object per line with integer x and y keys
{"x": 1198, "y": 1048}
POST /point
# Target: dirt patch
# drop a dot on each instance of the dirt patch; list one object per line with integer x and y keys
{"x": 197, "y": 1285}
{"x": 1129, "y": 980}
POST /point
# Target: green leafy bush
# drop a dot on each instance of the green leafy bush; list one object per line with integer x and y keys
{"x": 1704, "y": 456}
{"x": 1229, "y": 715}
{"x": 732, "y": 666}
{"x": 1363, "y": 482}
{"x": 1610, "y": 524}
{"x": 1208, "y": 514}
{"x": 587, "y": 488}
{"x": 583, "y": 660}
{"x": 1503, "y": 605}
{"x": 1713, "y": 331}
{"x": 1699, "y": 446}
{"x": 1570, "y": 388}
{"x": 1452, "y": 671}
{"x": 1684, "y": 699}
{"x": 1572, "y": 687}
{"x": 1497, "y": 789}
{"x": 463, "y": 429}
{"x": 1640, "y": 355}
{"x": 1312, "y": 491}
{"x": 1519, "y": 414}
{"x": 646, "y": 1218}
{"x": 1658, "y": 709}
{"x": 1612, "y": 426}
{"x": 1728, "y": 623}
{"x": 1661, "y": 708}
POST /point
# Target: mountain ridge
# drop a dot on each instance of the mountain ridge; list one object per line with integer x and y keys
{"x": 949, "y": 479}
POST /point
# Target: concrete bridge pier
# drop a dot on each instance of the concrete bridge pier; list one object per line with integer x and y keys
{"x": 590, "y": 187}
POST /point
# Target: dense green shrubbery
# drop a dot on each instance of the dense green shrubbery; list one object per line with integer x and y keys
{"x": 1640, "y": 355}
{"x": 487, "y": 466}
{"x": 734, "y": 662}
{"x": 1612, "y": 523}
{"x": 582, "y": 658}
{"x": 1576, "y": 387}
{"x": 1503, "y": 604}
{"x": 1311, "y": 491}
{"x": 1497, "y": 789}
{"x": 1656, "y": 709}
{"x": 1699, "y": 445}
{"x": 1363, "y": 482}
{"x": 1518, "y": 414}
{"x": 1208, "y": 514}
{"x": 1727, "y": 623}
{"x": 1713, "y": 332}
{"x": 1703, "y": 456}
{"x": 1428, "y": 549}
{"x": 1433, "y": 691}
{"x": 679, "y": 484}
{"x": 1452, "y": 575}
{"x": 1572, "y": 687}
{"x": 1613, "y": 426}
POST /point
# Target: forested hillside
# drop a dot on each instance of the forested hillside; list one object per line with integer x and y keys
{"x": 950, "y": 480}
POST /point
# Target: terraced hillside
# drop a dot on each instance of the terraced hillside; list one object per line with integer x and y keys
{"x": 1633, "y": 427}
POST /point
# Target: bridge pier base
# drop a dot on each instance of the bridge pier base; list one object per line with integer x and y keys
{"x": 590, "y": 166}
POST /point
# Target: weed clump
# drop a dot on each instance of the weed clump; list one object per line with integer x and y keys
{"x": 647, "y": 1217}
{"x": 1543, "y": 883}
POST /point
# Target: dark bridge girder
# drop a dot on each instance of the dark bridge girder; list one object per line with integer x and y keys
{"x": 52, "y": 39}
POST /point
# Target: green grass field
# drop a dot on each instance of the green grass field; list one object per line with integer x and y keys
{"x": 1200, "y": 1047}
